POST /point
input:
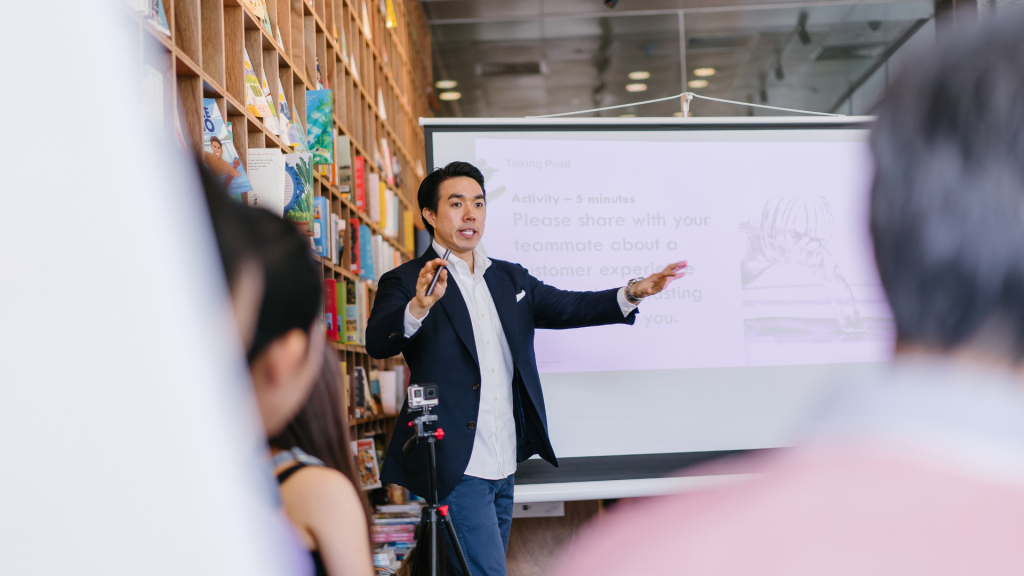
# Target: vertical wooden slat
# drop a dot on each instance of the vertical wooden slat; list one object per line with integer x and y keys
{"x": 234, "y": 52}
{"x": 212, "y": 36}
{"x": 191, "y": 90}
{"x": 187, "y": 35}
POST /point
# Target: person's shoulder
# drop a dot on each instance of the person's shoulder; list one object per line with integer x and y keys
{"x": 321, "y": 485}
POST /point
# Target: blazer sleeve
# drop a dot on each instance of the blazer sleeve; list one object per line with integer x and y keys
{"x": 385, "y": 328}
{"x": 559, "y": 309}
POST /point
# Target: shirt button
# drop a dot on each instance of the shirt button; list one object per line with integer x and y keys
{"x": 488, "y": 342}
{"x": 492, "y": 370}
{"x": 495, "y": 398}
{"x": 476, "y": 386}
{"x": 471, "y": 424}
{"x": 482, "y": 315}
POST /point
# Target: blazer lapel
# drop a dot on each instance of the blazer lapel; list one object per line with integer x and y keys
{"x": 504, "y": 296}
{"x": 455, "y": 306}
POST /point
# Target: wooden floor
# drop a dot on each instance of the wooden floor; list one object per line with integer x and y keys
{"x": 534, "y": 543}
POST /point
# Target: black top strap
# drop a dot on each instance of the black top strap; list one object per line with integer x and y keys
{"x": 287, "y": 472}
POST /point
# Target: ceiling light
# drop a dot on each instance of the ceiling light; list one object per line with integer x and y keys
{"x": 639, "y": 75}
{"x": 697, "y": 83}
{"x": 638, "y": 87}
{"x": 446, "y": 84}
{"x": 704, "y": 72}
{"x": 448, "y": 96}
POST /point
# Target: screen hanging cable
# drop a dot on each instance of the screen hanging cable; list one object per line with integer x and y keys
{"x": 686, "y": 97}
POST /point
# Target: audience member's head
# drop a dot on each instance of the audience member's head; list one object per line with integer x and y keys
{"x": 287, "y": 349}
{"x": 947, "y": 204}
{"x": 277, "y": 292}
{"x": 239, "y": 253}
{"x": 321, "y": 427}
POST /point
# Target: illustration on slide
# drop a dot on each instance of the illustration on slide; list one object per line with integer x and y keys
{"x": 488, "y": 171}
{"x": 793, "y": 239}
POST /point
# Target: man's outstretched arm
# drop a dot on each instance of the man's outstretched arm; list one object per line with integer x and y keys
{"x": 560, "y": 309}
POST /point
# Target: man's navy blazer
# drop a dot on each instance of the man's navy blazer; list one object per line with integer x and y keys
{"x": 443, "y": 352}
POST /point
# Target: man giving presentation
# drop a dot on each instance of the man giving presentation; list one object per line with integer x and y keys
{"x": 474, "y": 338}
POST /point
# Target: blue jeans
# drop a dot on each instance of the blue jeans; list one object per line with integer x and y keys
{"x": 482, "y": 511}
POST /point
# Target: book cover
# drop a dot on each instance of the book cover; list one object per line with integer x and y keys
{"x": 380, "y": 105}
{"x": 365, "y": 253}
{"x": 332, "y": 249}
{"x": 219, "y": 153}
{"x": 271, "y": 118}
{"x": 410, "y": 231}
{"x": 366, "y": 23}
{"x": 320, "y": 212}
{"x": 388, "y": 391}
{"x": 320, "y": 125}
{"x": 331, "y": 308}
{"x": 298, "y": 191}
{"x": 388, "y": 169}
{"x": 267, "y": 176}
{"x": 354, "y": 245}
{"x": 375, "y": 391}
{"x": 340, "y": 303}
{"x": 379, "y": 254}
{"x": 359, "y": 173}
{"x": 258, "y": 7}
{"x": 391, "y": 20}
{"x": 362, "y": 308}
{"x": 284, "y": 115}
{"x": 366, "y": 463}
{"x": 351, "y": 313}
{"x": 343, "y": 159}
{"x": 255, "y": 99}
{"x": 158, "y": 16}
{"x": 373, "y": 196}
{"x": 359, "y": 392}
{"x": 297, "y": 135}
{"x": 385, "y": 207}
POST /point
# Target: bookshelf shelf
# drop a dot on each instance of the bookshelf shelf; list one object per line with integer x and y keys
{"x": 379, "y": 78}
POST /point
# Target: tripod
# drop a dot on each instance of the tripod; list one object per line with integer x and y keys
{"x": 432, "y": 513}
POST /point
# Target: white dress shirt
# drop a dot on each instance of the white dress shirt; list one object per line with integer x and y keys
{"x": 494, "y": 447}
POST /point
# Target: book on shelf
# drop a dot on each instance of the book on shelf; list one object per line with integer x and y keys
{"x": 388, "y": 391}
{"x": 331, "y": 308}
{"x": 353, "y": 250}
{"x": 320, "y": 125}
{"x": 410, "y": 231}
{"x": 345, "y": 398}
{"x": 366, "y": 463}
{"x": 255, "y": 99}
{"x": 157, "y": 16}
{"x": 337, "y": 238}
{"x": 359, "y": 390}
{"x": 320, "y": 236}
{"x": 362, "y": 309}
{"x": 267, "y": 177}
{"x": 351, "y": 313}
{"x": 375, "y": 392}
{"x": 298, "y": 191}
{"x": 340, "y": 303}
{"x": 284, "y": 115}
{"x": 359, "y": 175}
{"x": 377, "y": 251}
{"x": 365, "y": 253}
{"x": 388, "y": 168}
{"x": 396, "y": 220}
{"x": 270, "y": 120}
{"x": 402, "y": 376}
{"x": 343, "y": 160}
{"x": 373, "y": 196}
{"x": 380, "y": 105}
{"x": 219, "y": 153}
{"x": 366, "y": 23}
{"x": 390, "y": 19}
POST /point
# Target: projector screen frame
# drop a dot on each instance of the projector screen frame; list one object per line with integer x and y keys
{"x": 535, "y": 477}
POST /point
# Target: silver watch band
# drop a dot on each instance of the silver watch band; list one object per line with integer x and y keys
{"x": 629, "y": 292}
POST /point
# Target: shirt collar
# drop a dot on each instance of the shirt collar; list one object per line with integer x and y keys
{"x": 459, "y": 267}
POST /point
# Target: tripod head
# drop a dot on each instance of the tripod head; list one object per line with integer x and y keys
{"x": 422, "y": 399}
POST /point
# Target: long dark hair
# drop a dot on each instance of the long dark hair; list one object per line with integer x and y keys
{"x": 321, "y": 427}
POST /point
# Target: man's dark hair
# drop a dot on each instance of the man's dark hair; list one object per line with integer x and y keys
{"x": 428, "y": 196}
{"x": 947, "y": 202}
{"x": 215, "y": 139}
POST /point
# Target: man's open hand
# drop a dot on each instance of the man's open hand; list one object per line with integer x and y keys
{"x": 421, "y": 303}
{"x": 656, "y": 282}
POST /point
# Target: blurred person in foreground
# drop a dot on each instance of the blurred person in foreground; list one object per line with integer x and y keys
{"x": 920, "y": 471}
{"x": 315, "y": 468}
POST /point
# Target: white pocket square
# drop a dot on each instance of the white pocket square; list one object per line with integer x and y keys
{"x": 520, "y": 295}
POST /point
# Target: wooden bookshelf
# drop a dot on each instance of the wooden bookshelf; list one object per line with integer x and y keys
{"x": 203, "y": 57}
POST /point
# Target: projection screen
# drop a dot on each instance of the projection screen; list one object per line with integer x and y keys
{"x": 780, "y": 299}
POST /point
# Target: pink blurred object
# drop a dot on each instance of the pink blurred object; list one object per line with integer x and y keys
{"x": 903, "y": 480}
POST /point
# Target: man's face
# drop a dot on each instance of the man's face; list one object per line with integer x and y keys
{"x": 218, "y": 151}
{"x": 461, "y": 211}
